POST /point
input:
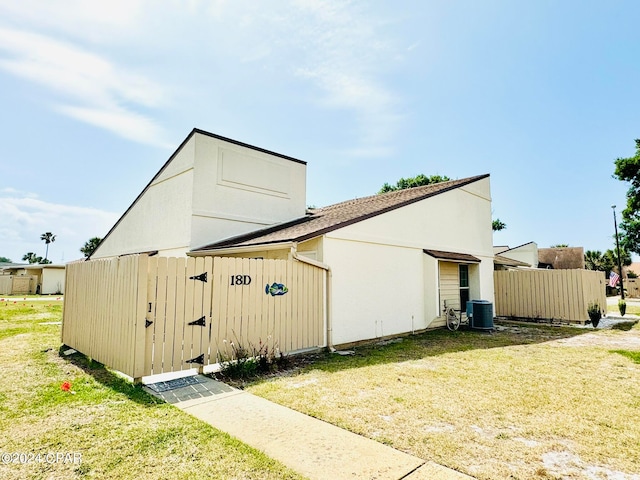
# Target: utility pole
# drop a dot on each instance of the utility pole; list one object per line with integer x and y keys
{"x": 615, "y": 225}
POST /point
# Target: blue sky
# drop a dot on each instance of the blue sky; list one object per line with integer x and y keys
{"x": 543, "y": 95}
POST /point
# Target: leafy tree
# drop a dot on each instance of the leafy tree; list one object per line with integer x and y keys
{"x": 628, "y": 170}
{"x": 90, "y": 246}
{"x": 417, "y": 181}
{"x": 5, "y": 260}
{"x": 497, "y": 225}
{"x": 625, "y": 257}
{"x": 609, "y": 261}
{"x": 48, "y": 238}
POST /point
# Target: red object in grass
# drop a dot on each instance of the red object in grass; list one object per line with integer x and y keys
{"x": 66, "y": 386}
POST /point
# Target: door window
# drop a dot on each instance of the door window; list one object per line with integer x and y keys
{"x": 463, "y": 273}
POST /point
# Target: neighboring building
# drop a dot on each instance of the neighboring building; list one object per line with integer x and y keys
{"x": 211, "y": 188}
{"x": 395, "y": 259}
{"x": 634, "y": 267}
{"x": 4, "y": 265}
{"x": 524, "y": 255}
{"x": 561, "y": 258}
{"x": 41, "y": 279}
{"x": 504, "y": 263}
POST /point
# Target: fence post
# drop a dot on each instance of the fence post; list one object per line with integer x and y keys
{"x": 142, "y": 271}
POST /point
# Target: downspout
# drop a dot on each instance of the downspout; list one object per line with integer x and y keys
{"x": 328, "y": 275}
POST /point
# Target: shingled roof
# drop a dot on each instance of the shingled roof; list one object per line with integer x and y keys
{"x": 322, "y": 220}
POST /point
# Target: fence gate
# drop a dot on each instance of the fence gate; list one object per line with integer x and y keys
{"x": 199, "y": 309}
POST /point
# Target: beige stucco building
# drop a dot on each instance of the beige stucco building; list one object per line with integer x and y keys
{"x": 46, "y": 279}
{"x": 395, "y": 260}
{"x": 526, "y": 254}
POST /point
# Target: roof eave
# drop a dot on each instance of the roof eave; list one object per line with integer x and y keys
{"x": 450, "y": 256}
{"x": 390, "y": 208}
{"x": 261, "y": 247}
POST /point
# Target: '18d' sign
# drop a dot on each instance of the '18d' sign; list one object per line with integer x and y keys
{"x": 240, "y": 280}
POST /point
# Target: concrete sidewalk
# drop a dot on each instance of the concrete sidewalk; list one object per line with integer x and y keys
{"x": 311, "y": 447}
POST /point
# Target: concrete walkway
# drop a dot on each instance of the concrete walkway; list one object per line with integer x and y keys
{"x": 311, "y": 447}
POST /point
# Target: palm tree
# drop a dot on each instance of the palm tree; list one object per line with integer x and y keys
{"x": 31, "y": 257}
{"x": 497, "y": 225}
{"x": 593, "y": 260}
{"x": 90, "y": 245}
{"x": 48, "y": 238}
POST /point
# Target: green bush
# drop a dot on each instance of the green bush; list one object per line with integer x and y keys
{"x": 594, "y": 313}
{"x": 622, "y": 306}
{"x": 241, "y": 362}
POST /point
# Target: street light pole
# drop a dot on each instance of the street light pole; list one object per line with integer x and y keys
{"x": 615, "y": 225}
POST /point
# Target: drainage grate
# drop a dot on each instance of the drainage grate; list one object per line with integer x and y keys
{"x": 173, "y": 384}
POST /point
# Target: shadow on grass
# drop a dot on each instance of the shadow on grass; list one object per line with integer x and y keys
{"x": 624, "y": 326}
{"x": 109, "y": 379}
{"x": 429, "y": 344}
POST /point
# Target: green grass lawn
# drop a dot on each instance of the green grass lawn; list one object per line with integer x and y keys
{"x": 527, "y": 402}
{"x": 109, "y": 428}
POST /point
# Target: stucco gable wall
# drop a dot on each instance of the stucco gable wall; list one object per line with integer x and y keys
{"x": 161, "y": 217}
{"x": 455, "y": 221}
{"x": 527, "y": 253}
{"x": 210, "y": 190}
{"x": 238, "y": 189}
{"x": 183, "y": 161}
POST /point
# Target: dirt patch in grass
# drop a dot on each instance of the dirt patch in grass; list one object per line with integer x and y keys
{"x": 520, "y": 403}
{"x": 617, "y": 338}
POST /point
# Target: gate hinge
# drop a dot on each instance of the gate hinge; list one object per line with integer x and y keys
{"x": 199, "y": 359}
{"x": 147, "y": 323}
{"x": 202, "y": 277}
{"x": 201, "y": 322}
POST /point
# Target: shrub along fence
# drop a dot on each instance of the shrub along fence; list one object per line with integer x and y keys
{"x": 537, "y": 294}
{"x": 146, "y": 315}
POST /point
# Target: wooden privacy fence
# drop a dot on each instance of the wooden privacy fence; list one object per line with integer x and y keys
{"x": 632, "y": 286}
{"x": 147, "y": 315}
{"x": 17, "y": 284}
{"x": 548, "y": 294}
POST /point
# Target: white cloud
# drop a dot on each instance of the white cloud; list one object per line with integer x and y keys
{"x": 103, "y": 90}
{"x": 341, "y": 49}
{"x": 124, "y": 123}
{"x": 25, "y": 218}
{"x": 13, "y": 191}
{"x": 345, "y": 58}
{"x": 79, "y": 18}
